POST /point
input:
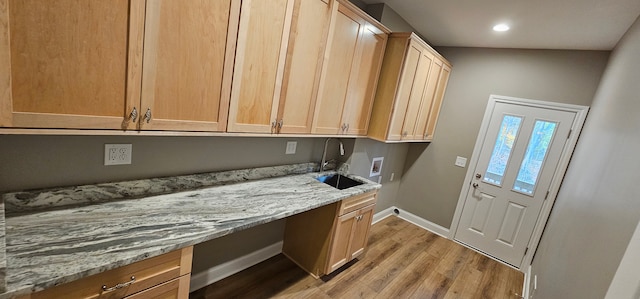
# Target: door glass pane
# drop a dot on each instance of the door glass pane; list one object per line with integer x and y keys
{"x": 502, "y": 149}
{"x": 534, "y": 156}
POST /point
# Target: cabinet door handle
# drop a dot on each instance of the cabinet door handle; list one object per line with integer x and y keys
{"x": 119, "y": 286}
{"x": 280, "y": 123}
{"x": 147, "y": 115}
{"x": 134, "y": 114}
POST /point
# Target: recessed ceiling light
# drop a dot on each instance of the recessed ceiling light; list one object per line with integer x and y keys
{"x": 501, "y": 27}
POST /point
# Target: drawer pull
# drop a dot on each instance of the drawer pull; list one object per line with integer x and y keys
{"x": 119, "y": 286}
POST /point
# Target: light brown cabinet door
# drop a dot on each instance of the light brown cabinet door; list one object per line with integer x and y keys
{"x": 305, "y": 54}
{"x": 334, "y": 82}
{"x": 428, "y": 98}
{"x": 350, "y": 75}
{"x": 405, "y": 87}
{"x": 437, "y": 102}
{"x": 340, "y": 253}
{"x": 188, "y": 62}
{"x": 364, "y": 79}
{"x": 259, "y": 65}
{"x": 361, "y": 232}
{"x": 416, "y": 97}
{"x": 68, "y": 63}
{"x": 350, "y": 237}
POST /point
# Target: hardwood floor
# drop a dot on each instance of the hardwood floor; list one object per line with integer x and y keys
{"x": 402, "y": 261}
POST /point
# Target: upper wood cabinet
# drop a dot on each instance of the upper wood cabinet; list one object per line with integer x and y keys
{"x": 278, "y": 64}
{"x": 81, "y": 64}
{"x": 65, "y": 64}
{"x": 364, "y": 79}
{"x": 352, "y": 63}
{"x": 187, "y": 64}
{"x": 281, "y": 66}
{"x": 259, "y": 65}
{"x": 305, "y": 54}
{"x": 410, "y": 92}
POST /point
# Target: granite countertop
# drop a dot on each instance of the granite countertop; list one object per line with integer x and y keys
{"x": 50, "y": 247}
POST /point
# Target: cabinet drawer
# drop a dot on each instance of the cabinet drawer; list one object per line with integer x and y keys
{"x": 148, "y": 273}
{"x": 356, "y": 202}
{"x": 174, "y": 289}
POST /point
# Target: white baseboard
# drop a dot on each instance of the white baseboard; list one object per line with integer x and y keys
{"x": 382, "y": 214}
{"x": 426, "y": 224}
{"x": 203, "y": 279}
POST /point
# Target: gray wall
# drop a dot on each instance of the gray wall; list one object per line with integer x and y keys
{"x": 598, "y": 206}
{"x": 390, "y": 18}
{"x": 431, "y": 183}
{"x": 364, "y": 150}
{"x": 218, "y": 251}
{"x": 29, "y": 162}
{"x": 359, "y": 4}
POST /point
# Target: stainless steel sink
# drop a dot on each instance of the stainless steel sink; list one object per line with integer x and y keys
{"x": 339, "y": 181}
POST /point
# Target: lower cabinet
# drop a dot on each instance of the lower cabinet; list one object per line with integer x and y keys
{"x": 164, "y": 276}
{"x": 350, "y": 237}
{"x": 324, "y": 239}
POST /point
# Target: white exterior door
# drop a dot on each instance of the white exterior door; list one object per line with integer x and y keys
{"x": 517, "y": 156}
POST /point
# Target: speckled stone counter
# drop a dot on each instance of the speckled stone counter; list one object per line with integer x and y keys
{"x": 3, "y": 257}
{"x": 50, "y": 247}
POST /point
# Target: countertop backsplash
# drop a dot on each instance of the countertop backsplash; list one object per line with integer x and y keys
{"x": 17, "y": 203}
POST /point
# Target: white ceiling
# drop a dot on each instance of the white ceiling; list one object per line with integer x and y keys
{"x": 535, "y": 24}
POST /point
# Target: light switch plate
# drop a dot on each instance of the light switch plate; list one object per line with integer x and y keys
{"x": 291, "y": 147}
{"x": 117, "y": 154}
{"x": 461, "y": 161}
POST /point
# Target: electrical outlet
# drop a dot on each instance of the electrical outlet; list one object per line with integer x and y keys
{"x": 117, "y": 154}
{"x": 291, "y": 147}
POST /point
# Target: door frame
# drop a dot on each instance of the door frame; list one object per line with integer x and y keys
{"x": 556, "y": 181}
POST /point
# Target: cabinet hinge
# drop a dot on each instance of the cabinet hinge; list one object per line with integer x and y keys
{"x": 547, "y": 195}
{"x": 569, "y": 135}
{"x": 525, "y": 251}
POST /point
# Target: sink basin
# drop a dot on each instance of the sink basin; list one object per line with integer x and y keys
{"x": 339, "y": 181}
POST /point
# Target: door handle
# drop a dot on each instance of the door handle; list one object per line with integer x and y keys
{"x": 478, "y": 176}
{"x": 475, "y": 185}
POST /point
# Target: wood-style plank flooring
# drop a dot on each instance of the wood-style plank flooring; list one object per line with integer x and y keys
{"x": 402, "y": 261}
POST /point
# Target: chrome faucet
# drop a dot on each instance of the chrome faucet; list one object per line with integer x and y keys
{"x": 324, "y": 162}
